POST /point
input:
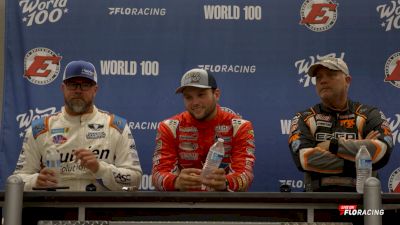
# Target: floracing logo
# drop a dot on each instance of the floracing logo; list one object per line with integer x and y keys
{"x": 303, "y": 65}
{"x": 392, "y": 70}
{"x": 318, "y": 15}
{"x": 394, "y": 181}
{"x": 351, "y": 210}
{"x": 137, "y": 11}
{"x": 41, "y": 66}
{"x": 39, "y": 12}
{"x": 391, "y": 15}
{"x": 24, "y": 120}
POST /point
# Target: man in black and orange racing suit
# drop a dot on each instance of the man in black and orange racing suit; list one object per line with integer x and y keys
{"x": 183, "y": 141}
{"x": 325, "y": 139}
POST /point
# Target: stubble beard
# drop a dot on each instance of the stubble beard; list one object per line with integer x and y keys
{"x": 207, "y": 113}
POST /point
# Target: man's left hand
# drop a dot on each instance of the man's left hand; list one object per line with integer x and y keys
{"x": 87, "y": 159}
{"x": 216, "y": 180}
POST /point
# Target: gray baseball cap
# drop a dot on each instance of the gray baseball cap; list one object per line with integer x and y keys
{"x": 330, "y": 63}
{"x": 197, "y": 78}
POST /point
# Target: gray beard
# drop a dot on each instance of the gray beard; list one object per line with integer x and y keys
{"x": 78, "y": 106}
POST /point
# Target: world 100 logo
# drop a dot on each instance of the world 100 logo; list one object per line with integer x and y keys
{"x": 130, "y": 68}
{"x": 232, "y": 12}
{"x": 39, "y": 12}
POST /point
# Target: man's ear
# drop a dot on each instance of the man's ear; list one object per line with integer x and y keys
{"x": 217, "y": 93}
{"x": 96, "y": 88}
{"x": 348, "y": 79}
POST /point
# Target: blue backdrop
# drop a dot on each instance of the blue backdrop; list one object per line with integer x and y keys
{"x": 258, "y": 50}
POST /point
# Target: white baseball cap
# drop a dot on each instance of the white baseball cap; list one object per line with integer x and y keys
{"x": 197, "y": 78}
{"x": 330, "y": 63}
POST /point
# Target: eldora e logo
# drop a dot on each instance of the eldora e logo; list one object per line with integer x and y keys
{"x": 318, "y": 16}
{"x": 392, "y": 70}
{"x": 41, "y": 66}
{"x": 394, "y": 181}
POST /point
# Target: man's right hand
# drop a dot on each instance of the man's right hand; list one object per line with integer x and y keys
{"x": 46, "y": 178}
{"x": 188, "y": 179}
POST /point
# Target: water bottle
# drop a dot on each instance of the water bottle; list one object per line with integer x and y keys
{"x": 213, "y": 160}
{"x": 363, "y": 167}
{"x": 53, "y": 161}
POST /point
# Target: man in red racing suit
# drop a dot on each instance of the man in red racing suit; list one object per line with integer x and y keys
{"x": 183, "y": 141}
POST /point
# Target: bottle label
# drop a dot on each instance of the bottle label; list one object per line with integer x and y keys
{"x": 365, "y": 163}
{"x": 215, "y": 156}
{"x": 52, "y": 163}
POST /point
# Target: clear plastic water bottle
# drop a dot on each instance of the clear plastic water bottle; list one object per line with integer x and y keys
{"x": 214, "y": 158}
{"x": 53, "y": 161}
{"x": 363, "y": 167}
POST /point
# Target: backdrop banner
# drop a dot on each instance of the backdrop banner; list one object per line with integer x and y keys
{"x": 259, "y": 52}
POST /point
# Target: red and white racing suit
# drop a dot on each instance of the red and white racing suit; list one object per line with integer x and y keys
{"x": 183, "y": 142}
{"x": 106, "y": 135}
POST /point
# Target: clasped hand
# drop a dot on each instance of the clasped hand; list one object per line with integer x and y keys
{"x": 190, "y": 179}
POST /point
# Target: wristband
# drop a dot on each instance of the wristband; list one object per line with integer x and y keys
{"x": 227, "y": 184}
{"x": 334, "y": 146}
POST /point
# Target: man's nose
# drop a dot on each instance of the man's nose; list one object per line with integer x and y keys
{"x": 323, "y": 79}
{"x": 78, "y": 90}
{"x": 195, "y": 101}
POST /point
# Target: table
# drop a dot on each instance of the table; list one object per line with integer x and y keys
{"x": 194, "y": 206}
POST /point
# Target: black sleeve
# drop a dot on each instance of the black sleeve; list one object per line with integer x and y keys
{"x": 299, "y": 137}
{"x": 376, "y": 120}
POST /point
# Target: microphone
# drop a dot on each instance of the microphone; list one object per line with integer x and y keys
{"x": 91, "y": 187}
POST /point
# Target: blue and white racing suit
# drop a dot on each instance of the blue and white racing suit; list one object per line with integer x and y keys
{"x": 105, "y": 134}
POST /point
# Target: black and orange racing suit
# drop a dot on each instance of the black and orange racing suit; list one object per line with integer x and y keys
{"x": 326, "y": 171}
{"x": 183, "y": 142}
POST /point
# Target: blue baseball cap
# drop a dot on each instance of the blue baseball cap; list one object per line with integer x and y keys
{"x": 80, "y": 69}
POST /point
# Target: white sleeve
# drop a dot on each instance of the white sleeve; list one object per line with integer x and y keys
{"x": 28, "y": 164}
